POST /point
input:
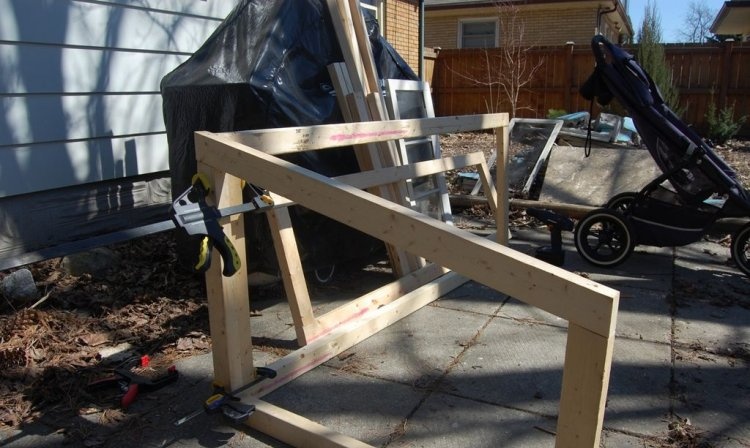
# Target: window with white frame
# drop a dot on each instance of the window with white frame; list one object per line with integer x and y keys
{"x": 376, "y": 8}
{"x": 478, "y": 33}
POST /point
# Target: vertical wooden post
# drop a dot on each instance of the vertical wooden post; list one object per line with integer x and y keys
{"x": 588, "y": 357}
{"x": 355, "y": 47}
{"x": 228, "y": 297}
{"x": 568, "y": 82}
{"x": 292, "y": 274}
{"x": 502, "y": 138}
{"x": 725, "y": 74}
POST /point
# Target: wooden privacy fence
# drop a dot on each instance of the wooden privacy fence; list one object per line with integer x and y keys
{"x": 465, "y": 81}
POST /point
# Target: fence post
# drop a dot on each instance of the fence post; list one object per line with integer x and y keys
{"x": 726, "y": 73}
{"x": 567, "y": 97}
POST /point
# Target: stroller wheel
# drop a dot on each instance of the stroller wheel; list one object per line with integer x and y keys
{"x": 621, "y": 202}
{"x": 604, "y": 238}
{"x": 741, "y": 249}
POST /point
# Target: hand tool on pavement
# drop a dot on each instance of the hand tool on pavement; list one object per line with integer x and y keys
{"x": 227, "y": 402}
{"x": 191, "y": 212}
{"x": 133, "y": 378}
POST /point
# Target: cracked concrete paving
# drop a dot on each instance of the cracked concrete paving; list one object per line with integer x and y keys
{"x": 480, "y": 369}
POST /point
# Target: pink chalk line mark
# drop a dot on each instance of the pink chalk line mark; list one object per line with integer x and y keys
{"x": 358, "y": 135}
{"x": 293, "y": 374}
{"x": 327, "y": 330}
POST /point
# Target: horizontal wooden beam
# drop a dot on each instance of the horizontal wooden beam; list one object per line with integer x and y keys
{"x": 366, "y": 304}
{"x": 295, "y": 139}
{"x": 351, "y": 333}
{"x": 296, "y": 430}
{"x": 367, "y": 179}
{"x": 382, "y": 176}
{"x": 586, "y": 303}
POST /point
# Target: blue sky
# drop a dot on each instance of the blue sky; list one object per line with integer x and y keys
{"x": 671, "y": 12}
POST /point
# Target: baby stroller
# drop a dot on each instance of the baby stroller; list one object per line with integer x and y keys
{"x": 678, "y": 207}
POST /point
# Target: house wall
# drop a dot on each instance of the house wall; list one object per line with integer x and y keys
{"x": 79, "y": 86}
{"x": 544, "y": 25}
{"x": 83, "y": 149}
{"x": 79, "y": 83}
{"x": 402, "y": 29}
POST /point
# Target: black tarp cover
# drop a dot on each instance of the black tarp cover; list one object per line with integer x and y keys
{"x": 265, "y": 67}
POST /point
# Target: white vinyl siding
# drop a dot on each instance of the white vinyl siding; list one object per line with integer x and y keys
{"x": 79, "y": 86}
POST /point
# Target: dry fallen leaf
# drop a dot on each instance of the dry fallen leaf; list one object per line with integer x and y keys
{"x": 94, "y": 339}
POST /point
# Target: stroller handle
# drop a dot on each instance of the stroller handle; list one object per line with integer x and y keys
{"x": 623, "y": 60}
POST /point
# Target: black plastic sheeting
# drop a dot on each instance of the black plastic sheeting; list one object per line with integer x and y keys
{"x": 266, "y": 67}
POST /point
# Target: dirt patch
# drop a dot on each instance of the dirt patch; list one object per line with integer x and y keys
{"x": 50, "y": 354}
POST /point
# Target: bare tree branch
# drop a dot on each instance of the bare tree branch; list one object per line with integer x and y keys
{"x": 697, "y": 22}
{"x": 515, "y": 68}
{"x": 506, "y": 71}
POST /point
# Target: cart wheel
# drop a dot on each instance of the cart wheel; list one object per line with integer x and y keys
{"x": 741, "y": 249}
{"x": 604, "y": 238}
{"x": 621, "y": 202}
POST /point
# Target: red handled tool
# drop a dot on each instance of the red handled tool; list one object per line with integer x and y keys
{"x": 132, "y": 380}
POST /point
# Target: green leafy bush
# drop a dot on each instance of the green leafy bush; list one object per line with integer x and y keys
{"x": 554, "y": 113}
{"x": 721, "y": 124}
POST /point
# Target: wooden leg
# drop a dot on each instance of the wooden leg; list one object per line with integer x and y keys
{"x": 292, "y": 274}
{"x": 228, "y": 297}
{"x": 485, "y": 178}
{"x": 588, "y": 358}
{"x": 503, "y": 228}
{"x": 296, "y": 430}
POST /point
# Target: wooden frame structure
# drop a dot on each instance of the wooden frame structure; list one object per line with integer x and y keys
{"x": 589, "y": 307}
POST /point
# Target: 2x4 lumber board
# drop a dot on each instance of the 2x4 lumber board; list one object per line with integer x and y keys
{"x": 363, "y": 306}
{"x": 363, "y": 43}
{"x": 571, "y": 210}
{"x": 501, "y": 172}
{"x": 228, "y": 297}
{"x": 367, "y": 179}
{"x": 342, "y": 84}
{"x": 564, "y": 294}
{"x": 296, "y": 430}
{"x": 343, "y": 25}
{"x": 382, "y": 176}
{"x": 307, "y": 326}
{"x": 491, "y": 193}
{"x": 588, "y": 358}
{"x": 346, "y": 336}
{"x": 373, "y": 92}
{"x": 368, "y": 156}
{"x": 292, "y": 274}
{"x": 309, "y": 138}
{"x": 388, "y": 150}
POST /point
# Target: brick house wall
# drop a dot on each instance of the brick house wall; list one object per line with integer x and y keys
{"x": 402, "y": 29}
{"x": 544, "y": 24}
